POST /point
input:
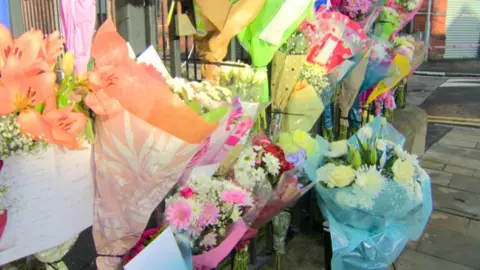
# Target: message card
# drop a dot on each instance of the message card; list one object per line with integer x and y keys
{"x": 162, "y": 253}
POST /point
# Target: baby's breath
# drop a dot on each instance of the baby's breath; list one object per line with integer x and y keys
{"x": 12, "y": 141}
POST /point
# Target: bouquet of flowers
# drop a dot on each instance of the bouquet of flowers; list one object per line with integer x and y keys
{"x": 213, "y": 214}
{"x": 408, "y": 5}
{"x": 357, "y": 9}
{"x": 271, "y": 28}
{"x": 405, "y": 45}
{"x": 379, "y": 62}
{"x": 35, "y": 111}
{"x": 138, "y": 139}
{"x": 387, "y": 23}
{"x": 374, "y": 195}
{"x": 311, "y": 91}
{"x": 244, "y": 81}
{"x": 266, "y": 160}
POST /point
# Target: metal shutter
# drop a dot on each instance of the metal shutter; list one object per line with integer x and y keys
{"x": 462, "y": 29}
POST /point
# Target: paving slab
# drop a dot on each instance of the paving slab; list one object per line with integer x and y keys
{"x": 464, "y": 134}
{"x": 439, "y": 177}
{"x": 466, "y": 183}
{"x": 412, "y": 260}
{"x": 303, "y": 252}
{"x": 473, "y": 229}
{"x": 457, "y": 202}
{"x": 458, "y": 170}
{"x": 427, "y": 164}
{"x": 459, "y": 143}
{"x": 449, "y": 222}
{"x": 457, "y": 156}
{"x": 451, "y": 246}
{"x": 435, "y": 132}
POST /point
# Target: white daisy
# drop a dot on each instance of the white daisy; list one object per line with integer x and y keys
{"x": 369, "y": 179}
{"x": 272, "y": 163}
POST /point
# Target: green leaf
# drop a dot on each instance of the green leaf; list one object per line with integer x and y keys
{"x": 89, "y": 133}
{"x": 91, "y": 64}
{"x": 215, "y": 115}
{"x": 40, "y": 108}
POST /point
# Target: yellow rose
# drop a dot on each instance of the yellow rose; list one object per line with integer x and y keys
{"x": 341, "y": 176}
{"x": 303, "y": 140}
{"x": 403, "y": 171}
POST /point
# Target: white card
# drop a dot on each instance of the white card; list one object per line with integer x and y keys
{"x": 207, "y": 170}
{"x": 52, "y": 199}
{"x": 162, "y": 253}
{"x": 131, "y": 53}
{"x": 290, "y": 11}
{"x": 150, "y": 56}
{"x": 326, "y": 52}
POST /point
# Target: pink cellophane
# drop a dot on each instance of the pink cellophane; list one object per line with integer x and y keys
{"x": 210, "y": 259}
{"x": 78, "y": 26}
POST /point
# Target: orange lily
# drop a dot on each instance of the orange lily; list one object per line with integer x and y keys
{"x": 53, "y": 48}
{"x": 65, "y": 125}
{"x": 58, "y": 127}
{"x": 26, "y": 49}
{"x": 19, "y": 91}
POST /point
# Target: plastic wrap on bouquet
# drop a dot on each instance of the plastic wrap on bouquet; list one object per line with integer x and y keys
{"x": 225, "y": 19}
{"x": 287, "y": 192}
{"x": 407, "y": 13}
{"x": 378, "y": 64}
{"x": 387, "y": 23}
{"x": 285, "y": 71}
{"x": 303, "y": 110}
{"x": 418, "y": 55}
{"x": 142, "y": 147}
{"x": 226, "y": 232}
{"x": 78, "y": 26}
{"x": 53, "y": 257}
{"x": 374, "y": 237}
{"x": 136, "y": 165}
{"x": 349, "y": 91}
{"x": 399, "y": 69}
{"x": 275, "y": 23}
{"x": 236, "y": 142}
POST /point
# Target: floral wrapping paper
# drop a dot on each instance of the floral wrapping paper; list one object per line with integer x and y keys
{"x": 136, "y": 165}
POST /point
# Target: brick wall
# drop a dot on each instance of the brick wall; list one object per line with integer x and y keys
{"x": 438, "y": 26}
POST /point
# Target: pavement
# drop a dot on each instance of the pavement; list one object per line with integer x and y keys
{"x": 446, "y": 67}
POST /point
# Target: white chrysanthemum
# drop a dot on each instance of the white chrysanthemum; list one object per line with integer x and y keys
{"x": 338, "y": 149}
{"x": 236, "y": 215}
{"x": 404, "y": 155}
{"x": 248, "y": 157}
{"x": 196, "y": 207}
{"x": 272, "y": 163}
{"x": 367, "y": 132}
{"x": 369, "y": 179}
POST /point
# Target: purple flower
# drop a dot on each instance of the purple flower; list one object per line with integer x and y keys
{"x": 297, "y": 159}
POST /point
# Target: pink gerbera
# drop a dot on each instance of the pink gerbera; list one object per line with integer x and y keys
{"x": 209, "y": 215}
{"x": 179, "y": 214}
{"x": 234, "y": 197}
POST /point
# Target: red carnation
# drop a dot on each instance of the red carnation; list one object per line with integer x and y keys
{"x": 187, "y": 192}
